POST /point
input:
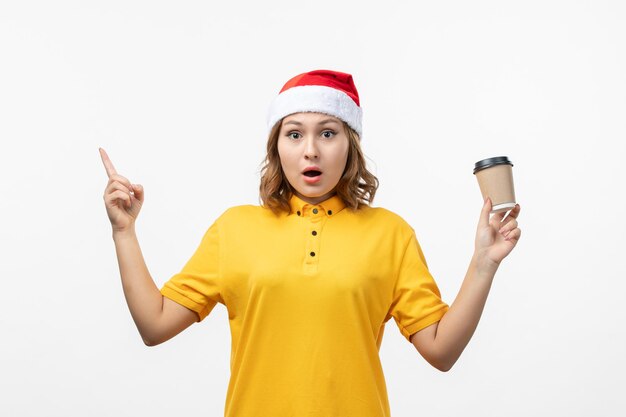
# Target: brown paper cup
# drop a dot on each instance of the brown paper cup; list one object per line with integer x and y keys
{"x": 495, "y": 179}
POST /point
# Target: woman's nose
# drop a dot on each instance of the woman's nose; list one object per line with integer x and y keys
{"x": 310, "y": 149}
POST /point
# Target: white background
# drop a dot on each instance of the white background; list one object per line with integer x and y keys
{"x": 176, "y": 93}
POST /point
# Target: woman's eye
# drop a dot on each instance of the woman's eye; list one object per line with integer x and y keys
{"x": 290, "y": 135}
{"x": 328, "y": 131}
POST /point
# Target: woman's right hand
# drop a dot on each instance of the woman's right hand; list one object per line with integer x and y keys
{"x": 122, "y": 199}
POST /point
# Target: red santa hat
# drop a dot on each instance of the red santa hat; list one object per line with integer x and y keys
{"x": 322, "y": 91}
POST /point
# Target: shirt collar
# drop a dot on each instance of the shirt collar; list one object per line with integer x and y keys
{"x": 329, "y": 207}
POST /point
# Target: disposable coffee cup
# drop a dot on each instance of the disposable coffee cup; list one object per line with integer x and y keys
{"x": 495, "y": 179}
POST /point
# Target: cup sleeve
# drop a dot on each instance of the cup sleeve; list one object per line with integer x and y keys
{"x": 198, "y": 286}
{"x": 416, "y": 301}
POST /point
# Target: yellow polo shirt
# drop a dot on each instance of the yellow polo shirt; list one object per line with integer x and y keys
{"x": 308, "y": 294}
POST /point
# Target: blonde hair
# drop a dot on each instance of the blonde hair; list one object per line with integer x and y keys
{"x": 356, "y": 187}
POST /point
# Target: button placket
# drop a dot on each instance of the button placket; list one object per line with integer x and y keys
{"x": 312, "y": 250}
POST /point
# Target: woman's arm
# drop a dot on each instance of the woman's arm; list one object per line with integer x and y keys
{"x": 158, "y": 319}
{"x": 442, "y": 343}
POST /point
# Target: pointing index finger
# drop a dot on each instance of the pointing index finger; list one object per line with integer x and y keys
{"x": 108, "y": 165}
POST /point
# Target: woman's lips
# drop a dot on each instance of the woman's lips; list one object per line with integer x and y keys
{"x": 312, "y": 174}
{"x": 312, "y": 180}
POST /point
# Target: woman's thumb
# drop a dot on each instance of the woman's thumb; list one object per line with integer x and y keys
{"x": 138, "y": 190}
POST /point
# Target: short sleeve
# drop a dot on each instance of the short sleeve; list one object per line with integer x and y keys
{"x": 197, "y": 285}
{"x": 416, "y": 300}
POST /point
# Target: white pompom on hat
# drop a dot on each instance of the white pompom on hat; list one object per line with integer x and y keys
{"x": 321, "y": 91}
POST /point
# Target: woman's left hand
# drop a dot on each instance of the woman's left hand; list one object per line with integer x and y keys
{"x": 496, "y": 238}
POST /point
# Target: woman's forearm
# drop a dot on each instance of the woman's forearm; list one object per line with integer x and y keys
{"x": 457, "y": 326}
{"x": 142, "y": 295}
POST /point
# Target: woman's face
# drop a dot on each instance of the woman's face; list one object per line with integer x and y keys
{"x": 313, "y": 150}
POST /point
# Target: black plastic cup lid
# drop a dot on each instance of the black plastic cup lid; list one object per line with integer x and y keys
{"x": 489, "y": 162}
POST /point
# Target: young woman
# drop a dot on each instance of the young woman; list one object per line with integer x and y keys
{"x": 310, "y": 277}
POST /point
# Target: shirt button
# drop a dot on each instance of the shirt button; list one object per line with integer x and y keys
{"x": 312, "y": 253}
{"x": 314, "y": 233}
{"x": 314, "y": 211}
{"x": 330, "y": 212}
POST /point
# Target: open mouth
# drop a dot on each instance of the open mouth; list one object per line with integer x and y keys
{"x": 312, "y": 173}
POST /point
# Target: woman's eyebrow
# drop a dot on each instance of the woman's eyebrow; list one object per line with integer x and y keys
{"x": 325, "y": 121}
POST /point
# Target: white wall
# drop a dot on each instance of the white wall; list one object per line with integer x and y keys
{"x": 176, "y": 92}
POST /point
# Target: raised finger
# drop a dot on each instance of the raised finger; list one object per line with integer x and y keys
{"x": 108, "y": 165}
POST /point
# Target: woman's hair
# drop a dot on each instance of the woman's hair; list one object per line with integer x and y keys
{"x": 356, "y": 187}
